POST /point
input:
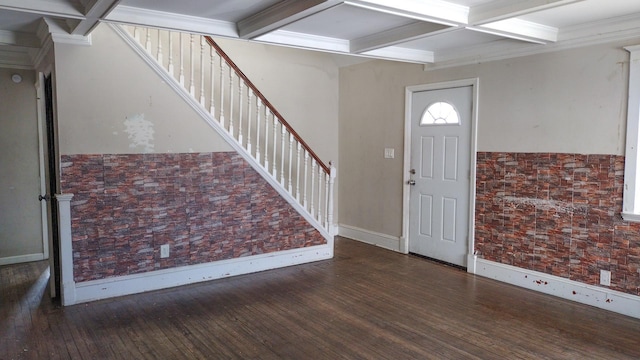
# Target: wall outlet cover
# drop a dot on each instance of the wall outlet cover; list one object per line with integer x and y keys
{"x": 605, "y": 277}
{"x": 164, "y": 251}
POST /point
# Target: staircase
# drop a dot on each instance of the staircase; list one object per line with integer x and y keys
{"x": 213, "y": 85}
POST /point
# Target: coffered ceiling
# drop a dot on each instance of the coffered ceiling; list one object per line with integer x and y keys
{"x": 439, "y": 33}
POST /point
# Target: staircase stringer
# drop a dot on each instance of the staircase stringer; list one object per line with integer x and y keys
{"x": 199, "y": 108}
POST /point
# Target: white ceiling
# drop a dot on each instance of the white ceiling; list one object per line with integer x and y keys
{"x": 439, "y": 33}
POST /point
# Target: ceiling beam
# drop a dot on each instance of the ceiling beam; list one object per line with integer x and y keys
{"x": 438, "y": 11}
{"x": 520, "y": 30}
{"x": 413, "y": 31}
{"x": 160, "y": 19}
{"x": 402, "y": 54}
{"x": 341, "y": 46}
{"x": 279, "y": 15}
{"x": 56, "y": 8}
{"x": 19, "y": 39}
{"x": 95, "y": 11}
{"x": 306, "y": 41}
{"x": 505, "y": 9}
{"x": 15, "y": 58}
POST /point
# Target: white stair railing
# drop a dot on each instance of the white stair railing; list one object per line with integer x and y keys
{"x": 236, "y": 105}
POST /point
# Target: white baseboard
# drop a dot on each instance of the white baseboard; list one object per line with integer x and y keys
{"x": 22, "y": 259}
{"x": 370, "y": 237}
{"x": 131, "y": 284}
{"x": 599, "y": 297}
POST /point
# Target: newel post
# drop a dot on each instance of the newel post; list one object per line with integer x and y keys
{"x": 68, "y": 290}
{"x": 332, "y": 178}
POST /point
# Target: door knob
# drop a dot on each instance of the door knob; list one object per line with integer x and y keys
{"x": 45, "y": 197}
{"x": 411, "y": 182}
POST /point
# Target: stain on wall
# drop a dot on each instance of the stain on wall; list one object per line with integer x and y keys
{"x": 206, "y": 206}
{"x": 558, "y": 214}
{"x": 140, "y": 133}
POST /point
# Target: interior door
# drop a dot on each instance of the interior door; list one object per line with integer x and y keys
{"x": 21, "y": 235}
{"x": 51, "y": 174}
{"x": 440, "y": 163}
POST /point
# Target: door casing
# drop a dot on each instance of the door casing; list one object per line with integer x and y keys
{"x": 406, "y": 190}
{"x": 41, "y": 110}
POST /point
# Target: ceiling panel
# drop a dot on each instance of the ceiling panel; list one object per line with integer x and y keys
{"x": 19, "y": 21}
{"x": 347, "y": 22}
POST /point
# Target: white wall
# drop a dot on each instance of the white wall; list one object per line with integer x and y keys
{"x": 20, "y": 219}
{"x": 572, "y": 101}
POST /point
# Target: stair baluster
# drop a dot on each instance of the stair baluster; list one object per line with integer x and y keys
{"x": 242, "y": 118}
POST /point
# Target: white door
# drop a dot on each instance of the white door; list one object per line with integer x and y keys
{"x": 21, "y": 236}
{"x": 440, "y": 157}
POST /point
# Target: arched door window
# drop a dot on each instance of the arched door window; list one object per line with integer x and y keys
{"x": 440, "y": 113}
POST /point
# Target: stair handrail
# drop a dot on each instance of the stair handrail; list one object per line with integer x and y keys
{"x": 307, "y": 190}
{"x": 266, "y": 102}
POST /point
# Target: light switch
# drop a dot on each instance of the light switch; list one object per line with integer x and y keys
{"x": 389, "y": 153}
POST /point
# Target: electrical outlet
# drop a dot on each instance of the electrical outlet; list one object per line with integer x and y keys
{"x": 164, "y": 251}
{"x": 389, "y": 153}
{"x": 605, "y": 277}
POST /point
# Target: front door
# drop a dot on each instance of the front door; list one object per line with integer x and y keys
{"x": 440, "y": 166}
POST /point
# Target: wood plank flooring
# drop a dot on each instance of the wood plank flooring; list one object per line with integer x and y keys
{"x": 366, "y": 303}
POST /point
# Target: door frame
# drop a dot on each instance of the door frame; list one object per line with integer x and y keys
{"x": 40, "y": 103}
{"x": 50, "y": 181}
{"x": 406, "y": 189}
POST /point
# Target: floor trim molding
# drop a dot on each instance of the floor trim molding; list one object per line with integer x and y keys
{"x": 370, "y": 237}
{"x": 599, "y": 297}
{"x": 162, "y": 279}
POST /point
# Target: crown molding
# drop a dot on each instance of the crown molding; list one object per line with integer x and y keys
{"x": 56, "y": 30}
{"x": 42, "y": 53}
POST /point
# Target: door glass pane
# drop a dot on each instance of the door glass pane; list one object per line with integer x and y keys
{"x": 440, "y": 113}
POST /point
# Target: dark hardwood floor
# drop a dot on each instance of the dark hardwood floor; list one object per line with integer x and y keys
{"x": 366, "y": 303}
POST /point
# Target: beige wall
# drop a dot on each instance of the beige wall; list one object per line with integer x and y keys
{"x": 302, "y": 85}
{"x": 572, "y": 101}
{"x": 20, "y": 219}
{"x": 111, "y": 102}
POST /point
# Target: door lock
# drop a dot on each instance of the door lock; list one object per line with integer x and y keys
{"x": 412, "y": 171}
{"x": 411, "y": 182}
